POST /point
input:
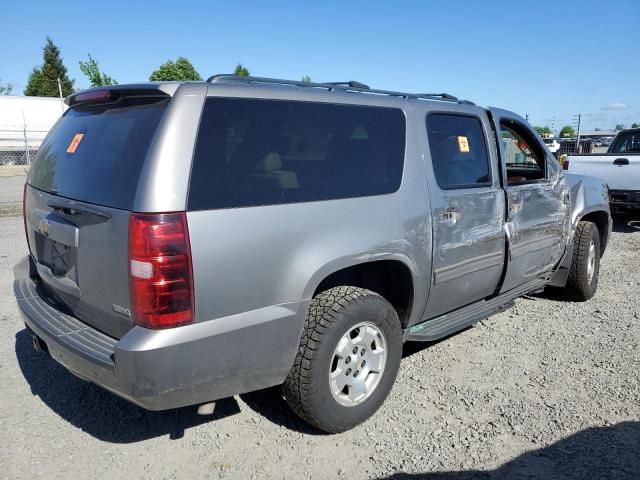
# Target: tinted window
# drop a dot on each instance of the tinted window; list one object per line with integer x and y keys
{"x": 524, "y": 159}
{"x": 627, "y": 142}
{"x": 95, "y": 153}
{"x": 265, "y": 152}
{"x": 458, "y": 151}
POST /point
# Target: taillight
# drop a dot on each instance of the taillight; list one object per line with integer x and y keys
{"x": 161, "y": 278}
{"x": 565, "y": 164}
{"x": 24, "y": 215}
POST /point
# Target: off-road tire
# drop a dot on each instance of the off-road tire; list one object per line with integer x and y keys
{"x": 330, "y": 315}
{"x": 578, "y": 287}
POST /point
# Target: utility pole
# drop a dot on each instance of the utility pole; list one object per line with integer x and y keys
{"x": 60, "y": 92}
{"x": 577, "y": 149}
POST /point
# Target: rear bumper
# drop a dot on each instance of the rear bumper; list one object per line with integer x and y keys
{"x": 622, "y": 200}
{"x": 162, "y": 369}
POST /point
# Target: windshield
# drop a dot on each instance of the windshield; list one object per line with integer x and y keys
{"x": 95, "y": 152}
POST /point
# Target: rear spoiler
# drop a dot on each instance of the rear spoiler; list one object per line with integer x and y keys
{"x": 113, "y": 92}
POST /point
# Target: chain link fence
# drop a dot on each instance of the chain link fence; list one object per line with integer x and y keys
{"x": 19, "y": 147}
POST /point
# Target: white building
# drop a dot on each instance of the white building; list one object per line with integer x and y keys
{"x": 24, "y": 122}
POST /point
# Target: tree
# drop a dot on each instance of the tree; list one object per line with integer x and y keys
{"x": 92, "y": 71}
{"x": 543, "y": 131}
{"x": 635, "y": 125}
{"x": 43, "y": 81}
{"x": 619, "y": 126}
{"x": 241, "y": 71}
{"x": 6, "y": 89}
{"x": 306, "y": 79}
{"x": 180, "y": 70}
{"x": 567, "y": 132}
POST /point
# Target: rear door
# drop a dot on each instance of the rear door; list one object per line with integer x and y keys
{"x": 468, "y": 211}
{"x": 537, "y": 201}
{"x": 81, "y": 189}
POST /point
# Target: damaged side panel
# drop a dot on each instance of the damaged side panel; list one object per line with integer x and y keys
{"x": 536, "y": 230}
{"x": 468, "y": 253}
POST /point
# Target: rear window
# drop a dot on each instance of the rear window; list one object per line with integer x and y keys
{"x": 95, "y": 153}
{"x": 627, "y": 142}
{"x": 265, "y": 152}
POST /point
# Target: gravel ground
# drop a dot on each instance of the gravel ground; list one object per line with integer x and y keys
{"x": 10, "y": 191}
{"x": 11, "y": 188}
{"x": 545, "y": 390}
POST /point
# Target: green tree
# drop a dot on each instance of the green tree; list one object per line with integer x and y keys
{"x": 241, "y": 71}
{"x": 92, "y": 71}
{"x": 619, "y": 126}
{"x": 6, "y": 89}
{"x": 181, "y": 70}
{"x": 542, "y": 131}
{"x": 43, "y": 81}
{"x": 306, "y": 79}
{"x": 567, "y": 131}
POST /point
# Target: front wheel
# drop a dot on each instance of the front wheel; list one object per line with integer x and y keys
{"x": 348, "y": 359}
{"x": 585, "y": 265}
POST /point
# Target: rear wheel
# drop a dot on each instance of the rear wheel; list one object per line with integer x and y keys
{"x": 585, "y": 265}
{"x": 348, "y": 359}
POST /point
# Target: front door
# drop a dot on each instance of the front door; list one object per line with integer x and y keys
{"x": 537, "y": 201}
{"x": 468, "y": 208}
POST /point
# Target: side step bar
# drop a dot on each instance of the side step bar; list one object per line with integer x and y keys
{"x": 444, "y": 325}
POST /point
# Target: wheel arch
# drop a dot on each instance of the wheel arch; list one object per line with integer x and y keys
{"x": 391, "y": 278}
{"x": 602, "y": 220}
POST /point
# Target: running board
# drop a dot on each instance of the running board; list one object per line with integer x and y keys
{"x": 444, "y": 325}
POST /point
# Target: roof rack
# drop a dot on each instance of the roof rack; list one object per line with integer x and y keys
{"x": 350, "y": 86}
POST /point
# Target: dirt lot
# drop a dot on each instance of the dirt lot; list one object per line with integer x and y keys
{"x": 10, "y": 192}
{"x": 546, "y": 390}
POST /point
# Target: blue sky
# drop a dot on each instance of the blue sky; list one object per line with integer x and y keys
{"x": 547, "y": 59}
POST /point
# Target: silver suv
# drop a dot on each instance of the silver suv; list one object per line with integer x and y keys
{"x": 193, "y": 241}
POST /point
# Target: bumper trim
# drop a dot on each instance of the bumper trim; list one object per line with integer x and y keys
{"x": 68, "y": 331}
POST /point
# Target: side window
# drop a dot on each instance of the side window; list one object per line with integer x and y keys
{"x": 253, "y": 152}
{"x": 458, "y": 151}
{"x": 523, "y": 157}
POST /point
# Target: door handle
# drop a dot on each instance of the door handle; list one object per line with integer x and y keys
{"x": 621, "y": 161}
{"x": 451, "y": 216}
{"x": 515, "y": 205}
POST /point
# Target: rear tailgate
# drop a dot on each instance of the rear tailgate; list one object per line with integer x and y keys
{"x": 80, "y": 193}
{"x": 620, "y": 171}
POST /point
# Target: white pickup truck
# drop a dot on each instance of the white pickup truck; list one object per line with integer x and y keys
{"x": 619, "y": 168}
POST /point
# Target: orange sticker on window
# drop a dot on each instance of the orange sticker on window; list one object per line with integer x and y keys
{"x": 75, "y": 141}
{"x": 463, "y": 144}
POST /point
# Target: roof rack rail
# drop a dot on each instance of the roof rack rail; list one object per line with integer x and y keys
{"x": 351, "y": 83}
{"x": 351, "y": 86}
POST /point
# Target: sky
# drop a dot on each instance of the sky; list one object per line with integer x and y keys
{"x": 546, "y": 59}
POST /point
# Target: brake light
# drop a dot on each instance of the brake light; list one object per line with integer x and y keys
{"x": 97, "y": 96}
{"x": 161, "y": 278}
{"x": 24, "y": 215}
{"x": 565, "y": 164}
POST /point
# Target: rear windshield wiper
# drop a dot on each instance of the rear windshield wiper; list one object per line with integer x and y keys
{"x": 69, "y": 207}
